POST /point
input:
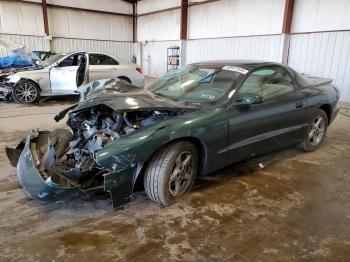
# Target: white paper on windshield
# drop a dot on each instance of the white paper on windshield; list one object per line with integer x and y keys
{"x": 236, "y": 69}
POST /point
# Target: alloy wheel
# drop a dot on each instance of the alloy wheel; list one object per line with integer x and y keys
{"x": 26, "y": 92}
{"x": 317, "y": 131}
{"x": 181, "y": 177}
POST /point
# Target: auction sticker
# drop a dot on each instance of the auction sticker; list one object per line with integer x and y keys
{"x": 236, "y": 69}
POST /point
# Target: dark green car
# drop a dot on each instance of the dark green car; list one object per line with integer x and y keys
{"x": 188, "y": 123}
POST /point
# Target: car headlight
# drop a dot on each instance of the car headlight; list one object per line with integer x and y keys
{"x": 14, "y": 79}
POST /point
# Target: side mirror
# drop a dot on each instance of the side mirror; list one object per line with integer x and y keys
{"x": 249, "y": 99}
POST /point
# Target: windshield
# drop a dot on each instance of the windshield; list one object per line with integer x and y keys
{"x": 195, "y": 84}
{"x": 53, "y": 59}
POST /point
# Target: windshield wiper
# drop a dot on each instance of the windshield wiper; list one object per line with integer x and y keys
{"x": 164, "y": 96}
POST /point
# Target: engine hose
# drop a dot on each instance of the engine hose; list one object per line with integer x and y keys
{"x": 127, "y": 121}
{"x": 118, "y": 124}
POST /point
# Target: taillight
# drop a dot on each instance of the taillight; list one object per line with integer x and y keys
{"x": 138, "y": 69}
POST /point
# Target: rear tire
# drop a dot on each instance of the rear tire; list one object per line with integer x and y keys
{"x": 26, "y": 92}
{"x": 316, "y": 132}
{"x": 171, "y": 173}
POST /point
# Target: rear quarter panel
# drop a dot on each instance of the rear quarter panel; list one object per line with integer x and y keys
{"x": 317, "y": 96}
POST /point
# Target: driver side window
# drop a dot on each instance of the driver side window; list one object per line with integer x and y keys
{"x": 267, "y": 83}
{"x": 73, "y": 60}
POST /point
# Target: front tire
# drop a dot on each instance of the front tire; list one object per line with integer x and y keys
{"x": 26, "y": 92}
{"x": 171, "y": 173}
{"x": 316, "y": 132}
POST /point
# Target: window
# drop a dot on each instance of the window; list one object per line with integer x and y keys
{"x": 267, "y": 83}
{"x": 98, "y": 59}
{"x": 194, "y": 84}
{"x": 73, "y": 60}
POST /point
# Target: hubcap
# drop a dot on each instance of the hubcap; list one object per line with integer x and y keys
{"x": 26, "y": 92}
{"x": 317, "y": 131}
{"x": 182, "y": 174}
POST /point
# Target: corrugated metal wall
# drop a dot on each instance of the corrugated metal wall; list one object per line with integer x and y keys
{"x": 159, "y": 27}
{"x": 323, "y": 55}
{"x": 124, "y": 50}
{"x": 227, "y": 18}
{"x": 102, "y": 5}
{"x": 256, "y": 47}
{"x": 154, "y": 57}
{"x": 30, "y": 42}
{"x": 21, "y": 19}
{"x": 146, "y": 6}
{"x": 71, "y": 30}
{"x": 321, "y": 15}
{"x": 156, "y": 33}
{"x": 87, "y": 25}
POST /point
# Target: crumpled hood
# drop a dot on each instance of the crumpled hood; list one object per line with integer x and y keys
{"x": 120, "y": 95}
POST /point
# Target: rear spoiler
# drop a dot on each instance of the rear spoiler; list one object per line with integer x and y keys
{"x": 316, "y": 81}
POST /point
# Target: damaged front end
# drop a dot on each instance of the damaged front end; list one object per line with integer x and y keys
{"x": 60, "y": 164}
{"x": 5, "y": 87}
{"x": 32, "y": 174}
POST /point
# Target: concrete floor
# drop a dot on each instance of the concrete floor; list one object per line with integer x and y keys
{"x": 296, "y": 208}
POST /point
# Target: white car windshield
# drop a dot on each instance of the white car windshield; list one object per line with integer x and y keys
{"x": 195, "y": 84}
{"x": 53, "y": 59}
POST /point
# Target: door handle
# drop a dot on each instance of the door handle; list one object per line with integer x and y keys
{"x": 299, "y": 104}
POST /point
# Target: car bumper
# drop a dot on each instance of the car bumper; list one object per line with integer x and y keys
{"x": 33, "y": 183}
{"x": 119, "y": 184}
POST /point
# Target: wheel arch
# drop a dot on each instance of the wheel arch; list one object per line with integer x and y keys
{"x": 125, "y": 78}
{"x": 202, "y": 157}
{"x": 327, "y": 108}
{"x": 29, "y": 80}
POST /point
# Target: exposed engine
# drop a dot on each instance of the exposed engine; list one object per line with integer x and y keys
{"x": 5, "y": 93}
{"x": 94, "y": 129}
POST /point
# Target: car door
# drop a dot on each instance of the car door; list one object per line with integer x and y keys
{"x": 102, "y": 66}
{"x": 273, "y": 121}
{"x": 68, "y": 74}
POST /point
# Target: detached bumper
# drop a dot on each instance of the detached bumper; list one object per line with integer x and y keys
{"x": 33, "y": 183}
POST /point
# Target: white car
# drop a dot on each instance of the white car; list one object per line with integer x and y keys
{"x": 63, "y": 74}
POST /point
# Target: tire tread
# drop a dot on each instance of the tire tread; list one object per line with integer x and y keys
{"x": 155, "y": 173}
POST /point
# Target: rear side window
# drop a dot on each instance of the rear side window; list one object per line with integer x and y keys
{"x": 267, "y": 83}
{"x": 98, "y": 59}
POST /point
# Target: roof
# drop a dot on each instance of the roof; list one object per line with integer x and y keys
{"x": 249, "y": 64}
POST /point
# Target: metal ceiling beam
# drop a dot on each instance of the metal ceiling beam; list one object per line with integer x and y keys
{"x": 288, "y": 16}
{"x": 177, "y": 7}
{"x": 87, "y": 10}
{"x": 69, "y": 8}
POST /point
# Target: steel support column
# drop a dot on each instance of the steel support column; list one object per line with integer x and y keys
{"x": 287, "y": 28}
